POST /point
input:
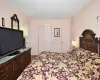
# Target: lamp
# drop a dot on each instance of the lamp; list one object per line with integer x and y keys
{"x": 25, "y": 34}
{"x": 74, "y": 43}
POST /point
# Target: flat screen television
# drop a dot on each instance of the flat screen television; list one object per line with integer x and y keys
{"x": 10, "y": 40}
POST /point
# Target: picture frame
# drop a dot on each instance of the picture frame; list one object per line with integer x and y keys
{"x": 3, "y": 22}
{"x": 56, "y": 32}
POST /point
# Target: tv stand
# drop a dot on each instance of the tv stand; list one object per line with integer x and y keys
{"x": 14, "y": 65}
{"x": 14, "y": 53}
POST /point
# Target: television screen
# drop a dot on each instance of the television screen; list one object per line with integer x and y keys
{"x": 10, "y": 40}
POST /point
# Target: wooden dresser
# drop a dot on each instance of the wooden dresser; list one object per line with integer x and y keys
{"x": 12, "y": 66}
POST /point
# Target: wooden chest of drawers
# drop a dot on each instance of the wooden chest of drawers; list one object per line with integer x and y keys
{"x": 12, "y": 69}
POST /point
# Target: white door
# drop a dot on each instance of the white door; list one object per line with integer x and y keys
{"x": 47, "y": 41}
{"x": 44, "y": 41}
{"x": 56, "y": 40}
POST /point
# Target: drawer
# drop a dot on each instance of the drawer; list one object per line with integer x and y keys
{"x": 6, "y": 71}
{"x": 4, "y": 77}
{"x": 3, "y": 71}
{"x": 10, "y": 66}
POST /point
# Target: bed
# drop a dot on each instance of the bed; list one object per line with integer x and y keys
{"x": 79, "y": 64}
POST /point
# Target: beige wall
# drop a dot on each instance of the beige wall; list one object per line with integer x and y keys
{"x": 86, "y": 19}
{"x": 64, "y": 24}
{"x": 6, "y": 11}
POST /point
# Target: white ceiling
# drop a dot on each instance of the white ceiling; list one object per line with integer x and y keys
{"x": 50, "y": 9}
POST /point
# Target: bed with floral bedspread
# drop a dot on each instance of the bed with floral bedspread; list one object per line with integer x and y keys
{"x": 79, "y": 64}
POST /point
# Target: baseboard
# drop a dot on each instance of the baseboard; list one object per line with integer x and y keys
{"x": 34, "y": 55}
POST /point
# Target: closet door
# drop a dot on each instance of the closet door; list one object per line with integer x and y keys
{"x": 44, "y": 39}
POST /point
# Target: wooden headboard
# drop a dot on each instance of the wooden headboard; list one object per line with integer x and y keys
{"x": 88, "y": 41}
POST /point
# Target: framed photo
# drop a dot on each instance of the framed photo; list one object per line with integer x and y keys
{"x": 56, "y": 32}
{"x": 3, "y": 22}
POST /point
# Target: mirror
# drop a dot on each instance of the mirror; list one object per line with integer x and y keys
{"x": 14, "y": 22}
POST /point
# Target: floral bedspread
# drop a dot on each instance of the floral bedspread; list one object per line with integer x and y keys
{"x": 79, "y": 64}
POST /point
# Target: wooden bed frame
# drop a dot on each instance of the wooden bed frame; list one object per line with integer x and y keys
{"x": 89, "y": 42}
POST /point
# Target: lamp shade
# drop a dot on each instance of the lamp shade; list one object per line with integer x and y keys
{"x": 74, "y": 43}
{"x": 25, "y": 30}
